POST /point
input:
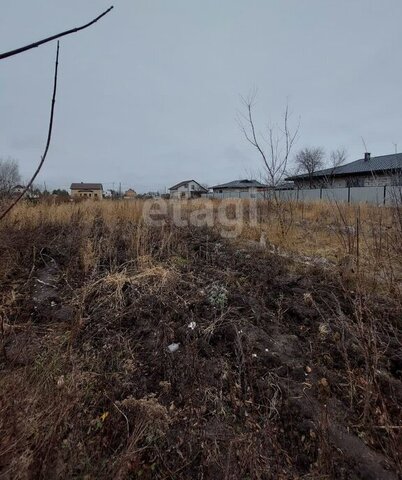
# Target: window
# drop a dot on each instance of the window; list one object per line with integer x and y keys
{"x": 192, "y": 187}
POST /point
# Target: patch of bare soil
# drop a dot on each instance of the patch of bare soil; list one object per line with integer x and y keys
{"x": 188, "y": 357}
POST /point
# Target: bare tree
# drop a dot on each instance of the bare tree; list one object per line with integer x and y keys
{"x": 274, "y": 146}
{"x": 49, "y": 137}
{"x": 52, "y": 109}
{"x": 338, "y": 157}
{"x": 309, "y": 160}
{"x": 9, "y": 176}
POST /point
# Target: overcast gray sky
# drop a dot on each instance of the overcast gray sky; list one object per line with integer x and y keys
{"x": 149, "y": 95}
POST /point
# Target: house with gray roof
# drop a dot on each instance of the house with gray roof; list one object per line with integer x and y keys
{"x": 385, "y": 170}
{"x": 240, "y": 188}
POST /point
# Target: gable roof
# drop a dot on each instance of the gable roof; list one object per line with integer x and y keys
{"x": 175, "y": 187}
{"x": 382, "y": 163}
{"x": 240, "y": 184}
{"x": 86, "y": 186}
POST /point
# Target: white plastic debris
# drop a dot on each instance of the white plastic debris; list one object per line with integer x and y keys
{"x": 254, "y": 355}
{"x": 173, "y": 347}
{"x": 60, "y": 381}
{"x": 192, "y": 325}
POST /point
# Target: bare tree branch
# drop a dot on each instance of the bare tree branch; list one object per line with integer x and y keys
{"x": 49, "y": 136}
{"x": 338, "y": 157}
{"x": 280, "y": 141}
{"x": 53, "y": 37}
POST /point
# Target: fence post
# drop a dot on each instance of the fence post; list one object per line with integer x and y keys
{"x": 348, "y": 194}
{"x": 320, "y": 193}
{"x": 385, "y": 194}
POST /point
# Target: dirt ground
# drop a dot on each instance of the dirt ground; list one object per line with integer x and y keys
{"x": 172, "y": 353}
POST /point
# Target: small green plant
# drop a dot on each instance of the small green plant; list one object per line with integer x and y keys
{"x": 218, "y": 296}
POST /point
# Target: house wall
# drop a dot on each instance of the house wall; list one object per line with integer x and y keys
{"x": 379, "y": 181}
{"x": 249, "y": 192}
{"x": 371, "y": 180}
{"x": 93, "y": 194}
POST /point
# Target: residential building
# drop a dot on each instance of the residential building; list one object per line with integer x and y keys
{"x": 31, "y": 193}
{"x": 385, "y": 170}
{"x": 87, "y": 190}
{"x": 187, "y": 189}
{"x": 17, "y": 189}
{"x": 130, "y": 194}
{"x": 239, "y": 188}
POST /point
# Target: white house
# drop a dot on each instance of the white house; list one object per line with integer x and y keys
{"x": 187, "y": 189}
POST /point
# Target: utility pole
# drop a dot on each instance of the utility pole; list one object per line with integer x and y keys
{"x": 396, "y": 147}
{"x": 119, "y": 189}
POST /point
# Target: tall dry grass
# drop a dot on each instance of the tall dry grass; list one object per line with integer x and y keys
{"x": 357, "y": 239}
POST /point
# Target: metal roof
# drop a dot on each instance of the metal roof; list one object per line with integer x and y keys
{"x": 241, "y": 184}
{"x": 86, "y": 186}
{"x": 382, "y": 163}
{"x": 184, "y": 182}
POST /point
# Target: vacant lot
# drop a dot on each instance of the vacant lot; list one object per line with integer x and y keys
{"x": 131, "y": 350}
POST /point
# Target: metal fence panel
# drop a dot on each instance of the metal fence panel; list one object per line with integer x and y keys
{"x": 287, "y": 195}
{"x": 373, "y": 195}
{"x": 393, "y": 195}
{"x": 335, "y": 194}
{"x": 309, "y": 195}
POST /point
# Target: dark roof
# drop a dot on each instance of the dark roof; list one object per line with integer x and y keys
{"x": 374, "y": 164}
{"x": 285, "y": 186}
{"x": 240, "y": 184}
{"x": 175, "y": 187}
{"x": 86, "y": 186}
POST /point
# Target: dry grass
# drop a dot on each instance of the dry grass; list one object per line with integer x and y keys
{"x": 365, "y": 237}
